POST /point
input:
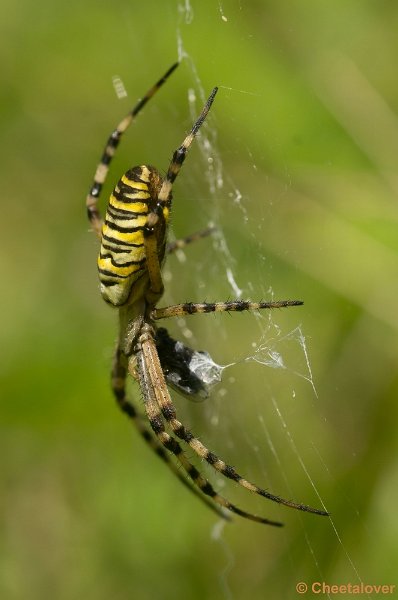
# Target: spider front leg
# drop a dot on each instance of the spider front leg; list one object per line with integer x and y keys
{"x": 109, "y": 151}
{"x": 155, "y": 229}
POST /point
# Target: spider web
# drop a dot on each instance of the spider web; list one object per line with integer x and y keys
{"x": 273, "y": 348}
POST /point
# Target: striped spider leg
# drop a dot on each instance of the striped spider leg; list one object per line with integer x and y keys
{"x": 119, "y": 374}
{"x": 133, "y": 247}
{"x": 101, "y": 173}
{"x": 193, "y": 237}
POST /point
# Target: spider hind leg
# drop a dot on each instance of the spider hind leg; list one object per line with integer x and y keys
{"x": 160, "y": 408}
{"x": 150, "y": 389}
{"x": 118, "y": 381}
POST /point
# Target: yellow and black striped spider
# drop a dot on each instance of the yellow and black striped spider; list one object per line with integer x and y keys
{"x": 133, "y": 248}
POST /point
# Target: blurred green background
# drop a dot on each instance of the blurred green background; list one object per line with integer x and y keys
{"x": 304, "y": 141}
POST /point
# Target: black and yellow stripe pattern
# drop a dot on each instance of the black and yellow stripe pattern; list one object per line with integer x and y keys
{"x": 122, "y": 259}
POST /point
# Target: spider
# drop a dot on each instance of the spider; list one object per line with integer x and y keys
{"x": 133, "y": 248}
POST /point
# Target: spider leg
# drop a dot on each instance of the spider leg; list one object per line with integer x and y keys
{"x": 119, "y": 372}
{"x": 150, "y": 383}
{"x": 185, "y": 241}
{"x": 149, "y": 367}
{"x": 181, "y": 152}
{"x": 155, "y": 228}
{"x": 155, "y": 221}
{"x": 101, "y": 173}
{"x": 192, "y": 308}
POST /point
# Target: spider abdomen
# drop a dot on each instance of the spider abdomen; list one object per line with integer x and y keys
{"x": 122, "y": 259}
